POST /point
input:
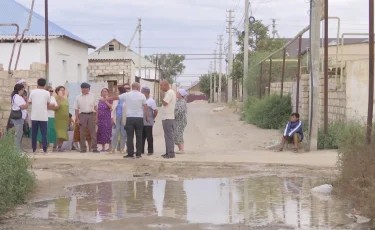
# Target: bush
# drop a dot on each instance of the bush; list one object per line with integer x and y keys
{"x": 15, "y": 179}
{"x": 271, "y": 112}
{"x": 356, "y": 162}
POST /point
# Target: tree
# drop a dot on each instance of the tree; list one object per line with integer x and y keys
{"x": 204, "y": 83}
{"x": 170, "y": 65}
{"x": 259, "y": 42}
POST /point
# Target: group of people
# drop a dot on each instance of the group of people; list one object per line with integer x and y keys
{"x": 112, "y": 121}
{"x": 49, "y": 115}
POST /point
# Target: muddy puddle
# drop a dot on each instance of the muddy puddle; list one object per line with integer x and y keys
{"x": 254, "y": 201}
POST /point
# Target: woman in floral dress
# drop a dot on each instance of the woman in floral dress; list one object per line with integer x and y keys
{"x": 180, "y": 114}
{"x": 104, "y": 133}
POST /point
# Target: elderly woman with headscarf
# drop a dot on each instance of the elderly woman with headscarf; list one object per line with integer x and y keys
{"x": 104, "y": 133}
{"x": 180, "y": 114}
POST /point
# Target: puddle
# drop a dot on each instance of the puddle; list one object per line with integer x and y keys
{"x": 253, "y": 201}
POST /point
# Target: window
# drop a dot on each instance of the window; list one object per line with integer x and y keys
{"x": 79, "y": 72}
{"x": 111, "y": 48}
{"x": 65, "y": 69}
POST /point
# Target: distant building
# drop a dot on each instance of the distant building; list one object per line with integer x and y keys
{"x": 292, "y": 49}
{"x": 112, "y": 64}
{"x": 195, "y": 93}
{"x": 68, "y": 53}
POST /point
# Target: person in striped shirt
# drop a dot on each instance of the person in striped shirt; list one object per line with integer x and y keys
{"x": 293, "y": 132}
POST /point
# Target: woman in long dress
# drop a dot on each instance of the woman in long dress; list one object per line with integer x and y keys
{"x": 61, "y": 117}
{"x": 180, "y": 114}
{"x": 104, "y": 133}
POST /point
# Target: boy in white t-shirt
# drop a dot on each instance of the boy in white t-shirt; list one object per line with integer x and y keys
{"x": 39, "y": 99}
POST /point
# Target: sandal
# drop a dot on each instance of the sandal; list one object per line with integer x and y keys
{"x": 295, "y": 150}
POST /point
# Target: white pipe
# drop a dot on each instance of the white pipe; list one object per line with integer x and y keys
{"x": 337, "y": 43}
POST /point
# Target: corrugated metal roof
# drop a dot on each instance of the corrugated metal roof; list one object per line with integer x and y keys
{"x": 121, "y": 55}
{"x": 14, "y": 12}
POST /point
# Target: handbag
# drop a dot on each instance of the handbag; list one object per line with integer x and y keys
{"x": 15, "y": 114}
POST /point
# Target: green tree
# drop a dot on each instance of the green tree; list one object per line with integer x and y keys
{"x": 170, "y": 65}
{"x": 204, "y": 83}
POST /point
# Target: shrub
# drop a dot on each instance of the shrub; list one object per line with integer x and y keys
{"x": 356, "y": 162}
{"x": 271, "y": 112}
{"x": 16, "y": 181}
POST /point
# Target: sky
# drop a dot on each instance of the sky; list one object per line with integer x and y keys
{"x": 190, "y": 26}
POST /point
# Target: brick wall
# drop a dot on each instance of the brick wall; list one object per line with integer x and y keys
{"x": 7, "y": 82}
{"x": 109, "y": 70}
{"x": 337, "y": 102}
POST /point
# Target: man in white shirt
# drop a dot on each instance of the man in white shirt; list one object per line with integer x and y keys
{"x": 148, "y": 125}
{"x": 167, "y": 115}
{"x": 85, "y": 108}
{"x": 135, "y": 102}
{"x": 39, "y": 99}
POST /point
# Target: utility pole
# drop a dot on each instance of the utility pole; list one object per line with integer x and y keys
{"x": 210, "y": 77}
{"x": 230, "y": 59}
{"x": 371, "y": 73}
{"x": 46, "y": 39}
{"x": 315, "y": 18}
{"x": 220, "y": 66}
{"x": 140, "y": 47}
{"x": 214, "y": 76}
{"x": 273, "y": 28}
{"x": 246, "y": 53}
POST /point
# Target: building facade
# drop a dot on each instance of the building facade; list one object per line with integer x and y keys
{"x": 68, "y": 53}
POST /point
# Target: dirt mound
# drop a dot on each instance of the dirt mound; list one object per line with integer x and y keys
{"x": 199, "y": 102}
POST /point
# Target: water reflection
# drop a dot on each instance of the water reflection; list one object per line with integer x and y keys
{"x": 253, "y": 201}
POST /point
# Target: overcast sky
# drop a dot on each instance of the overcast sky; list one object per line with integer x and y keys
{"x": 189, "y": 26}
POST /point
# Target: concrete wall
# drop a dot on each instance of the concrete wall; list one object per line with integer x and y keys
{"x": 73, "y": 53}
{"x": 350, "y": 52}
{"x": 110, "y": 70}
{"x": 31, "y": 52}
{"x": 357, "y": 73}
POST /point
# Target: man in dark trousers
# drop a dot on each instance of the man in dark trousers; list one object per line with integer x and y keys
{"x": 147, "y": 126}
{"x": 39, "y": 99}
{"x": 136, "y": 107}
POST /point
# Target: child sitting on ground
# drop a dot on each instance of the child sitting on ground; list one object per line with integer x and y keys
{"x": 293, "y": 132}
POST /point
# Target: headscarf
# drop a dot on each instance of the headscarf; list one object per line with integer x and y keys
{"x": 21, "y": 81}
{"x": 183, "y": 92}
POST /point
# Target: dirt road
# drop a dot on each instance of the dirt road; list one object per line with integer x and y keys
{"x": 218, "y": 145}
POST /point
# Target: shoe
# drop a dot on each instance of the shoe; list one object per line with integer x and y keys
{"x": 83, "y": 151}
{"x": 138, "y": 157}
{"x": 95, "y": 151}
{"x": 169, "y": 156}
{"x": 180, "y": 152}
{"x": 122, "y": 152}
{"x": 128, "y": 156}
{"x": 150, "y": 154}
{"x": 164, "y": 155}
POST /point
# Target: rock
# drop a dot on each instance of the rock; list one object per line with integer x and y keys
{"x": 324, "y": 189}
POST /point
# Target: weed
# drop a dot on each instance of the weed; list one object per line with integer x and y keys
{"x": 16, "y": 181}
{"x": 271, "y": 112}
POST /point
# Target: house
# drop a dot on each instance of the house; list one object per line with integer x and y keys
{"x": 115, "y": 50}
{"x": 194, "y": 88}
{"x": 68, "y": 53}
{"x": 111, "y": 63}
